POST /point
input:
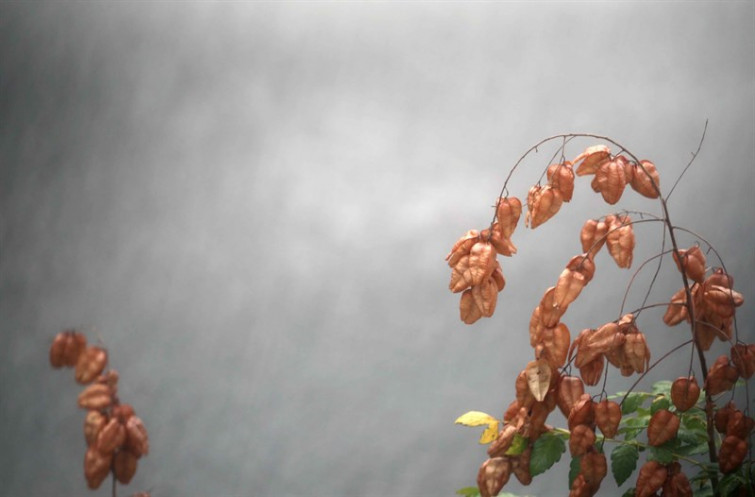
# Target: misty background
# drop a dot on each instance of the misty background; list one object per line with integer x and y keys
{"x": 250, "y": 203}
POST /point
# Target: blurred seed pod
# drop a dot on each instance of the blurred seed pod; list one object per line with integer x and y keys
{"x": 663, "y": 426}
{"x": 543, "y": 202}
{"x": 721, "y": 376}
{"x": 593, "y": 467}
{"x": 620, "y": 240}
{"x": 721, "y": 417}
{"x": 739, "y": 425}
{"x": 721, "y": 300}
{"x": 468, "y": 309}
{"x": 643, "y": 178}
{"x": 536, "y": 325}
{"x": 731, "y": 454}
{"x": 66, "y": 348}
{"x": 96, "y": 467}
{"x": 593, "y": 236}
{"x": 676, "y": 484}
{"x": 691, "y": 262}
{"x": 684, "y": 393}
{"x": 610, "y": 179}
{"x": 96, "y": 397}
{"x": 521, "y": 466}
{"x": 90, "y": 364}
{"x": 523, "y": 394}
{"x": 570, "y": 389}
{"x": 592, "y": 371}
{"x": 676, "y": 312}
{"x": 493, "y": 475}
{"x": 124, "y": 466}
{"x": 608, "y": 417}
{"x": 581, "y": 438}
{"x": 651, "y": 478}
{"x": 111, "y": 437}
{"x": 579, "y": 487}
{"x": 583, "y": 412}
{"x": 591, "y": 159}
{"x": 503, "y": 441}
{"x": 743, "y": 357}
{"x": 561, "y": 178}
{"x": 122, "y": 412}
{"x": 93, "y": 424}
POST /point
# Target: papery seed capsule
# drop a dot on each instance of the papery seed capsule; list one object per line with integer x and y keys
{"x": 582, "y": 438}
{"x": 90, "y": 364}
{"x": 732, "y": 453}
{"x": 137, "y": 440}
{"x": 591, "y": 159}
{"x": 692, "y": 263}
{"x": 96, "y": 467}
{"x": 468, "y": 309}
{"x": 521, "y": 465}
{"x": 93, "y": 424}
{"x": 739, "y": 425}
{"x": 677, "y": 309}
{"x": 66, "y": 348}
{"x": 561, "y": 178}
{"x": 124, "y": 466}
{"x": 610, "y": 180}
{"x": 96, "y": 397}
{"x": 593, "y": 236}
{"x": 543, "y": 202}
{"x": 508, "y": 211}
{"x": 593, "y": 467}
{"x": 592, "y": 371}
{"x": 684, "y": 393}
{"x": 644, "y": 177}
{"x": 721, "y": 376}
{"x": 743, "y": 357}
{"x": 462, "y": 247}
{"x": 570, "y": 389}
{"x": 111, "y": 437}
{"x": 482, "y": 258}
{"x": 721, "y": 418}
{"x": 583, "y": 412}
{"x": 663, "y": 427}
{"x": 620, "y": 240}
{"x": 122, "y": 412}
{"x": 493, "y": 475}
{"x": 650, "y": 479}
{"x": 608, "y": 417}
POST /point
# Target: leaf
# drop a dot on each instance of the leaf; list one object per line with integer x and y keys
{"x": 629, "y": 493}
{"x": 624, "y": 462}
{"x": 546, "y": 452}
{"x": 518, "y": 445}
{"x": 692, "y": 450}
{"x": 662, "y": 387}
{"x": 574, "y": 469}
{"x": 490, "y": 433}
{"x": 538, "y": 378}
{"x": 662, "y": 454}
{"x": 631, "y": 402}
{"x": 659, "y": 403}
{"x": 469, "y": 491}
{"x": 477, "y": 418}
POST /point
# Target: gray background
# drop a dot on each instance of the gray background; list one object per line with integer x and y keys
{"x": 251, "y": 203}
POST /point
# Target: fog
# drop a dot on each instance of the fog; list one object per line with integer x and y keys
{"x": 250, "y": 205}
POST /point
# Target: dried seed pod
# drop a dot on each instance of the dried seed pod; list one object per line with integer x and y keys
{"x": 684, "y": 393}
{"x": 722, "y": 301}
{"x": 676, "y": 484}
{"x": 561, "y": 178}
{"x": 543, "y": 202}
{"x": 468, "y": 309}
{"x": 592, "y": 371}
{"x": 721, "y": 418}
{"x": 549, "y": 313}
{"x": 461, "y": 277}
{"x": 96, "y": 397}
{"x": 122, "y": 412}
{"x": 501, "y": 243}
{"x": 503, "y": 441}
{"x": 536, "y": 325}
{"x": 663, "y": 427}
{"x": 570, "y": 389}
{"x": 553, "y": 345}
{"x": 90, "y": 364}
{"x": 581, "y": 438}
{"x": 137, "y": 440}
{"x": 691, "y": 262}
{"x": 111, "y": 437}
{"x": 591, "y": 159}
{"x": 577, "y": 274}
{"x": 580, "y": 488}
{"x": 124, "y": 466}
{"x": 500, "y": 281}
{"x": 597, "y": 342}
{"x": 583, "y": 413}
{"x": 462, "y": 247}
{"x": 608, "y": 417}
{"x": 512, "y": 411}
{"x": 644, "y": 177}
{"x": 651, "y": 478}
{"x": 523, "y": 394}
{"x": 732, "y": 453}
{"x": 739, "y": 425}
{"x": 493, "y": 475}
{"x": 610, "y": 179}
{"x": 721, "y": 376}
{"x": 507, "y": 212}
{"x": 93, "y": 424}
{"x": 743, "y": 357}
{"x": 593, "y": 468}
{"x": 66, "y": 348}
{"x": 96, "y": 467}
{"x": 538, "y": 374}
{"x": 677, "y": 309}
{"x": 620, "y": 240}
{"x": 482, "y": 258}
{"x": 637, "y": 352}
{"x": 485, "y": 296}
{"x": 521, "y": 465}
{"x": 593, "y": 236}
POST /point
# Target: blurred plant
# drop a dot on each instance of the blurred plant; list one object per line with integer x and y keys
{"x": 116, "y": 438}
{"x": 679, "y": 427}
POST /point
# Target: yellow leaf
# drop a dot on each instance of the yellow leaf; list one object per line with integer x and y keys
{"x": 475, "y": 418}
{"x": 490, "y": 433}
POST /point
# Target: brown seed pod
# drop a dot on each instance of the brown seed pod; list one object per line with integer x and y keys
{"x": 461, "y": 277}
{"x": 595, "y": 343}
{"x": 93, "y": 424}
{"x": 676, "y": 484}
{"x": 608, "y": 417}
{"x": 486, "y": 296}
{"x": 620, "y": 240}
{"x": 610, "y": 179}
{"x": 66, "y": 348}
{"x": 549, "y": 313}
{"x": 137, "y": 440}
{"x": 561, "y": 178}
{"x": 591, "y": 159}
{"x": 594, "y": 468}
{"x": 721, "y": 376}
{"x": 493, "y": 475}
{"x": 581, "y": 438}
{"x": 721, "y": 418}
{"x": 462, "y": 247}
{"x": 538, "y": 374}
{"x": 507, "y": 212}
{"x": 583, "y": 413}
{"x": 684, "y": 393}
{"x": 521, "y": 466}
{"x": 580, "y": 488}
{"x": 111, "y": 437}
{"x": 732, "y": 453}
{"x": 122, "y": 412}
{"x": 96, "y": 467}
{"x": 553, "y": 345}
{"x": 523, "y": 394}
{"x": 570, "y": 389}
{"x": 651, "y": 478}
{"x": 90, "y": 364}
{"x": 543, "y": 202}
{"x": 503, "y": 441}
{"x": 691, "y": 262}
{"x": 663, "y": 427}
{"x": 637, "y": 352}
{"x": 676, "y": 312}
{"x": 722, "y": 301}
{"x": 592, "y": 371}
{"x": 593, "y": 236}
{"x": 739, "y": 425}
{"x": 96, "y": 397}
{"x": 501, "y": 243}
{"x": 643, "y": 178}
{"x": 468, "y": 309}
{"x": 124, "y": 466}
{"x": 743, "y": 357}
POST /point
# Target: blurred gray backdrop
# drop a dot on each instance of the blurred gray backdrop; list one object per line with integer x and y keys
{"x": 250, "y": 204}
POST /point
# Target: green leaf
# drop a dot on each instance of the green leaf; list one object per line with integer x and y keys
{"x": 631, "y": 402}
{"x": 662, "y": 387}
{"x": 730, "y": 484}
{"x": 692, "y": 450}
{"x": 518, "y": 445}
{"x": 546, "y": 452}
{"x": 573, "y": 469}
{"x": 624, "y": 462}
{"x": 659, "y": 403}
{"x": 469, "y": 491}
{"x": 662, "y": 454}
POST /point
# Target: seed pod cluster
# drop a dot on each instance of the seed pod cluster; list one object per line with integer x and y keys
{"x": 613, "y": 173}
{"x": 116, "y": 438}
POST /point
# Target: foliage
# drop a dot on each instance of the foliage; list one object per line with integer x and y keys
{"x": 655, "y": 438}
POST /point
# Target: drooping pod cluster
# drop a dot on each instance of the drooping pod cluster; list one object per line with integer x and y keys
{"x": 613, "y": 173}
{"x": 116, "y": 438}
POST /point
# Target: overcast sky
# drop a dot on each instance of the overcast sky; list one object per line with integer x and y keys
{"x": 251, "y": 203}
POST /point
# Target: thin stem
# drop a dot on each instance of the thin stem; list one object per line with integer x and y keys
{"x": 694, "y": 156}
